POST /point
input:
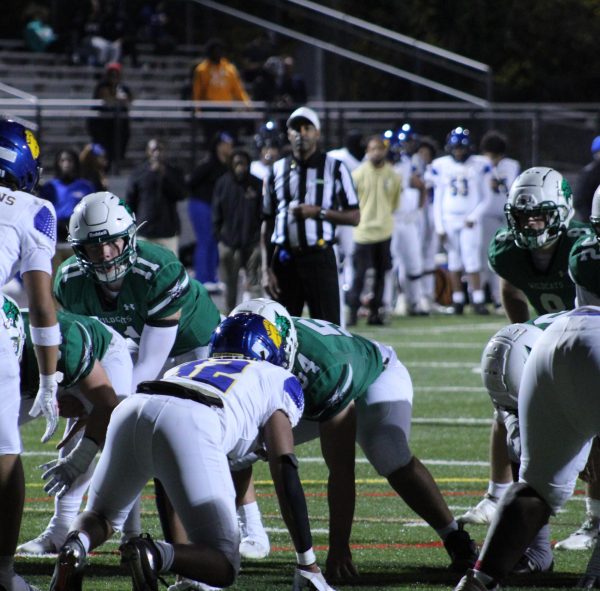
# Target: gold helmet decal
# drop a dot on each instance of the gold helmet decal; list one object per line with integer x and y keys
{"x": 272, "y": 332}
{"x": 32, "y": 143}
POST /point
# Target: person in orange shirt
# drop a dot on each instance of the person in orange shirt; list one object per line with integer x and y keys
{"x": 216, "y": 78}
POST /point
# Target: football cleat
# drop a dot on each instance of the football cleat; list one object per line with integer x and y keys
{"x": 183, "y": 584}
{"x": 254, "y": 548}
{"x": 141, "y": 556}
{"x": 70, "y": 564}
{"x": 482, "y": 513}
{"x": 458, "y": 308}
{"x": 526, "y": 566}
{"x": 471, "y": 583}
{"x": 588, "y": 582}
{"x": 481, "y": 309}
{"x": 584, "y": 538}
{"x": 46, "y": 543}
{"x": 462, "y": 550}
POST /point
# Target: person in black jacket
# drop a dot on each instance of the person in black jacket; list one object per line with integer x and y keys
{"x": 153, "y": 190}
{"x": 236, "y": 215}
{"x": 201, "y": 185}
{"x": 587, "y": 183}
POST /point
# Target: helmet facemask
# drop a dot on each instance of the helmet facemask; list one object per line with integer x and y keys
{"x": 113, "y": 269}
{"x": 522, "y": 221}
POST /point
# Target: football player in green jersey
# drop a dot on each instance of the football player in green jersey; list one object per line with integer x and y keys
{"x": 531, "y": 258}
{"x": 356, "y": 389}
{"x": 96, "y": 367}
{"x": 140, "y": 289}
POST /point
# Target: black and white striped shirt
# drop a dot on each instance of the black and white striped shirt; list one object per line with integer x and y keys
{"x": 322, "y": 180}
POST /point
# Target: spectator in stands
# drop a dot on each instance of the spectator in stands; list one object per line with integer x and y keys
{"x": 290, "y": 88}
{"x": 94, "y": 166}
{"x": 217, "y": 79}
{"x": 38, "y": 34}
{"x": 201, "y": 186}
{"x": 153, "y": 191}
{"x": 111, "y": 128}
{"x": 154, "y": 27}
{"x": 587, "y": 183}
{"x": 101, "y": 31}
{"x": 64, "y": 190}
{"x": 236, "y": 216}
{"x": 255, "y": 54}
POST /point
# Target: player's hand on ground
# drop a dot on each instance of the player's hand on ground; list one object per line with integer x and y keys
{"x": 310, "y": 579}
{"x": 60, "y": 474}
{"x": 45, "y": 403}
{"x": 339, "y": 567}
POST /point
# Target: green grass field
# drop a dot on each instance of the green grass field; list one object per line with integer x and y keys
{"x": 392, "y": 548}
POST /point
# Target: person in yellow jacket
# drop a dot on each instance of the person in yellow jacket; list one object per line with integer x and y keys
{"x": 378, "y": 187}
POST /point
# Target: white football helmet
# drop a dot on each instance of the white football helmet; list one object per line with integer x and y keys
{"x": 280, "y": 317}
{"x": 12, "y": 322}
{"x": 595, "y": 213}
{"x": 503, "y": 360}
{"x": 538, "y": 192}
{"x": 99, "y": 218}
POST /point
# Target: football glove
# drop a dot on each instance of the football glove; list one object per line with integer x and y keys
{"x": 61, "y": 473}
{"x": 46, "y": 404}
{"x": 304, "y": 579}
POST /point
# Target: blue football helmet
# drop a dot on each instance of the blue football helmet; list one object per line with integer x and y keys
{"x": 249, "y": 336}
{"x": 268, "y": 135}
{"x": 19, "y": 156}
{"x": 459, "y": 137}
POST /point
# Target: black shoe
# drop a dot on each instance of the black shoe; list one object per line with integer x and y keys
{"x": 70, "y": 564}
{"x": 462, "y": 550}
{"x": 458, "y": 309}
{"x": 481, "y": 310}
{"x": 142, "y": 558}
{"x": 526, "y": 566}
{"x": 588, "y": 582}
{"x": 375, "y": 320}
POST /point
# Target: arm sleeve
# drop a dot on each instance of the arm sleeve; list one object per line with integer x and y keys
{"x": 155, "y": 345}
{"x": 346, "y": 191}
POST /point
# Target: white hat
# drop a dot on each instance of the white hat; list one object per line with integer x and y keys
{"x": 305, "y": 113}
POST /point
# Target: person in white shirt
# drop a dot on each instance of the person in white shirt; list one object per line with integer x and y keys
{"x": 28, "y": 238}
{"x": 268, "y": 144}
{"x": 461, "y": 188}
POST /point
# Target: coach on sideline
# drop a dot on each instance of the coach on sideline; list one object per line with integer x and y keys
{"x": 305, "y": 196}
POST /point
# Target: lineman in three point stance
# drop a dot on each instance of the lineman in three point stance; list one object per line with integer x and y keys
{"x": 182, "y": 429}
{"x": 356, "y": 389}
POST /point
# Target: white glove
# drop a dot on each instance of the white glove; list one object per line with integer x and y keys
{"x": 62, "y": 473}
{"x": 304, "y": 579}
{"x": 46, "y": 404}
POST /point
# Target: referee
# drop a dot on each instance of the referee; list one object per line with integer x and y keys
{"x": 305, "y": 196}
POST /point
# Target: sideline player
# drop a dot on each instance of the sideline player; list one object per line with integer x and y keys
{"x": 356, "y": 389}
{"x": 138, "y": 288}
{"x": 461, "y": 191}
{"x": 28, "y": 238}
{"x": 97, "y": 368}
{"x": 182, "y": 429}
{"x": 531, "y": 258}
{"x": 558, "y": 395}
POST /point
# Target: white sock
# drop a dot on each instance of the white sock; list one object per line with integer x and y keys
{"x": 458, "y": 297}
{"x": 497, "y": 489}
{"x": 250, "y": 517}
{"x": 85, "y": 540}
{"x": 478, "y": 296}
{"x": 444, "y": 532}
{"x": 167, "y": 555}
{"x": 593, "y": 507}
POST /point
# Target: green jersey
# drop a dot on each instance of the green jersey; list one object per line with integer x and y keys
{"x": 584, "y": 264}
{"x": 551, "y": 290}
{"x": 156, "y": 287}
{"x": 334, "y": 367}
{"x": 84, "y": 341}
